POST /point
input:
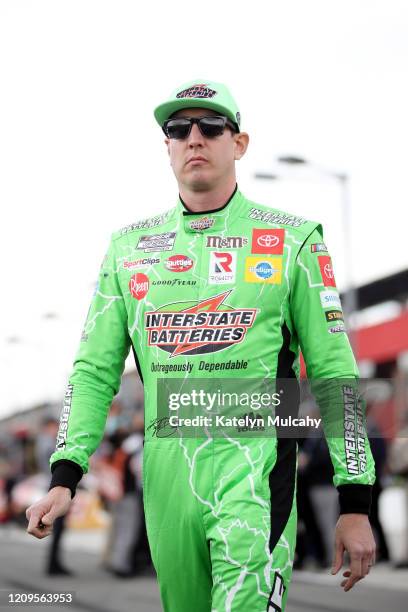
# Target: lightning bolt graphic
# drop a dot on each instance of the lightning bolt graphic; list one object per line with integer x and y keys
{"x": 206, "y": 305}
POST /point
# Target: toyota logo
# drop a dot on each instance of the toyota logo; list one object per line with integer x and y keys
{"x": 266, "y": 240}
{"x": 328, "y": 270}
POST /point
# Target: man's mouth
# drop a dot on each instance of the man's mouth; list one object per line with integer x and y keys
{"x": 197, "y": 159}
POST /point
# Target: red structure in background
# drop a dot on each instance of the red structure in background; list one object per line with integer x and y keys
{"x": 383, "y": 342}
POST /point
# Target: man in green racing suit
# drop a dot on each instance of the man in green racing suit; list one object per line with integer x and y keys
{"x": 218, "y": 288}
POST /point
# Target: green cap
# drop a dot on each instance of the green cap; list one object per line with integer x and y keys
{"x": 199, "y": 94}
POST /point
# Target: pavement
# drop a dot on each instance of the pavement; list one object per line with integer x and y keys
{"x": 22, "y": 559}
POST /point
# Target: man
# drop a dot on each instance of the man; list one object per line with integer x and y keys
{"x": 216, "y": 287}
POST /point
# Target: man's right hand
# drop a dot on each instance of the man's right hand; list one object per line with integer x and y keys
{"x": 43, "y": 513}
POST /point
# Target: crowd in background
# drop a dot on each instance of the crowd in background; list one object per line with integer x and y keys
{"x": 114, "y": 489}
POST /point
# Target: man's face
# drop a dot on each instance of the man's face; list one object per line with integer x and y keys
{"x": 200, "y": 163}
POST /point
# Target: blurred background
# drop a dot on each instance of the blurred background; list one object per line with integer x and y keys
{"x": 322, "y": 92}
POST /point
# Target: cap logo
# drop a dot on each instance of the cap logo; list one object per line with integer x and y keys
{"x": 197, "y": 91}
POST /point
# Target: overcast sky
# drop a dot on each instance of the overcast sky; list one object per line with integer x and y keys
{"x": 81, "y": 154}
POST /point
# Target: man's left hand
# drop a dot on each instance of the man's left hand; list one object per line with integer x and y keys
{"x": 354, "y": 535}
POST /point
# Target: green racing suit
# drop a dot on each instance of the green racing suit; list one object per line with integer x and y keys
{"x": 234, "y": 293}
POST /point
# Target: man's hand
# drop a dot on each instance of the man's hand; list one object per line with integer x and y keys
{"x": 43, "y": 513}
{"x": 354, "y": 535}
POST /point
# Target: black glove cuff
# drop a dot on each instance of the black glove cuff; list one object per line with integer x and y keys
{"x": 354, "y": 498}
{"x": 65, "y": 473}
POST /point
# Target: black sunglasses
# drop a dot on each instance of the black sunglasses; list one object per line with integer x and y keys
{"x": 210, "y": 127}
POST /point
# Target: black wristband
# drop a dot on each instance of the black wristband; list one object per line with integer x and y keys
{"x": 354, "y": 498}
{"x": 65, "y": 473}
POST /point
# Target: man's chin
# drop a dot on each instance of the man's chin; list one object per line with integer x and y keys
{"x": 200, "y": 184}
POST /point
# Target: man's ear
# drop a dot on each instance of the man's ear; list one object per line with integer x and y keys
{"x": 241, "y": 144}
{"x": 167, "y": 143}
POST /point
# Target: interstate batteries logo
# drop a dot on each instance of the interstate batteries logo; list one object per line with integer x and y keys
{"x": 208, "y": 326}
{"x": 276, "y": 217}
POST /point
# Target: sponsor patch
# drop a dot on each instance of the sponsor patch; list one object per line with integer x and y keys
{"x": 277, "y": 218}
{"x": 354, "y": 432}
{"x": 334, "y": 315}
{"x": 195, "y": 328}
{"x": 222, "y": 268}
{"x": 140, "y": 263}
{"x": 330, "y": 299}
{"x": 268, "y": 241}
{"x": 201, "y": 90}
{"x": 226, "y": 242}
{"x": 145, "y": 223}
{"x": 337, "y": 329}
{"x": 64, "y": 418}
{"x": 318, "y": 247}
{"x": 139, "y": 285}
{"x": 178, "y": 263}
{"x": 174, "y": 282}
{"x": 201, "y": 224}
{"x": 326, "y": 270}
{"x": 157, "y": 242}
{"x": 263, "y": 270}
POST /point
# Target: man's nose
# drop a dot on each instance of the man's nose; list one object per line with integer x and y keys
{"x": 195, "y": 137}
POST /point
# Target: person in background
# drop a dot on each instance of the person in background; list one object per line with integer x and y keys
{"x": 379, "y": 451}
{"x": 141, "y": 558}
{"x": 318, "y": 476}
{"x": 45, "y": 446}
{"x": 309, "y": 541}
{"x": 126, "y": 445}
